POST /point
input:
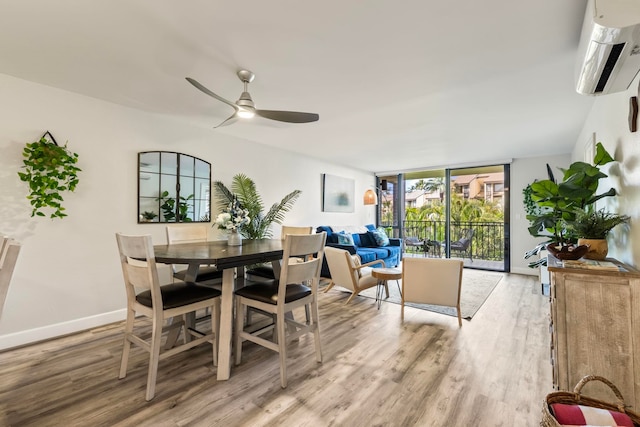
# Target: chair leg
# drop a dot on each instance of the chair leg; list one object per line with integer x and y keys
{"x": 126, "y": 345}
{"x": 239, "y": 329}
{"x": 189, "y": 322}
{"x": 282, "y": 349}
{"x": 154, "y": 358}
{"x": 249, "y": 316}
{"x": 459, "y": 316}
{"x": 316, "y": 329}
{"x": 353, "y": 295}
{"x": 329, "y": 286}
{"x": 215, "y": 328}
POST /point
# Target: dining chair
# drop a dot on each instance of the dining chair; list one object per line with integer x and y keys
{"x": 9, "y": 250}
{"x": 436, "y": 281}
{"x": 265, "y": 271}
{"x": 160, "y": 303}
{"x": 347, "y": 272}
{"x": 193, "y": 233}
{"x": 297, "y": 286}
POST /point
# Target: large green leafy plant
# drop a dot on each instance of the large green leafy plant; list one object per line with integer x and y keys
{"x": 49, "y": 170}
{"x": 558, "y": 203}
{"x": 244, "y": 190}
{"x": 553, "y": 208}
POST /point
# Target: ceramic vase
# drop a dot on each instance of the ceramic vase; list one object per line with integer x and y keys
{"x": 598, "y": 248}
{"x": 235, "y": 239}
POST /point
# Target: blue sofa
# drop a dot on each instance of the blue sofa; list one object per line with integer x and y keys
{"x": 364, "y": 246}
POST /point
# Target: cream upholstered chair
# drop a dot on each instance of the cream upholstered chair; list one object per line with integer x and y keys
{"x": 266, "y": 271}
{"x": 191, "y": 233}
{"x": 9, "y": 250}
{"x": 160, "y": 303}
{"x": 435, "y": 281}
{"x": 347, "y": 272}
{"x": 297, "y": 287}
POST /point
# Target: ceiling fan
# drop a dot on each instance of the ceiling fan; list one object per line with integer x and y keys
{"x": 246, "y": 109}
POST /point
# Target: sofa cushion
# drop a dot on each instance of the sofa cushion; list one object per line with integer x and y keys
{"x": 345, "y": 239}
{"x": 367, "y": 240}
{"x": 366, "y": 256}
{"x": 332, "y": 238}
{"x": 380, "y": 236}
{"x": 375, "y": 253}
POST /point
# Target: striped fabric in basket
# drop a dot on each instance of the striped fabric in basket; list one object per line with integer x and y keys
{"x": 578, "y": 415}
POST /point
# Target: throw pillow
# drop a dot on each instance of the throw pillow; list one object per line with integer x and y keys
{"x": 367, "y": 240}
{"x": 579, "y": 415}
{"x": 380, "y": 237}
{"x": 345, "y": 239}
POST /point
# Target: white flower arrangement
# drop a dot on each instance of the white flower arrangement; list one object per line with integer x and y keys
{"x": 234, "y": 217}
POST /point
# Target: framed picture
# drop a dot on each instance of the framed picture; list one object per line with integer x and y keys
{"x": 337, "y": 194}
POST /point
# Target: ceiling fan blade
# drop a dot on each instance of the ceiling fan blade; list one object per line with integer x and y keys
{"x": 288, "y": 116}
{"x": 208, "y": 92}
{"x": 230, "y": 120}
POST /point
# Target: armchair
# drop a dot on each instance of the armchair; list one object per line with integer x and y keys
{"x": 432, "y": 281}
{"x": 348, "y": 273}
{"x": 463, "y": 244}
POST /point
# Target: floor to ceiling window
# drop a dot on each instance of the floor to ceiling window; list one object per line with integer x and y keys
{"x": 458, "y": 213}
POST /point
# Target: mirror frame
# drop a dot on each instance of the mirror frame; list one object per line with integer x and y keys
{"x": 157, "y": 199}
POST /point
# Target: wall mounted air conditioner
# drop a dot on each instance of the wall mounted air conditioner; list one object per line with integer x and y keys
{"x": 609, "y": 51}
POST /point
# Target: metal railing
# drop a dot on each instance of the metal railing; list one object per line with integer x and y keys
{"x": 487, "y": 242}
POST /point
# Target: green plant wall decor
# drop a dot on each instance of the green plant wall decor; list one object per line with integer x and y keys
{"x": 49, "y": 170}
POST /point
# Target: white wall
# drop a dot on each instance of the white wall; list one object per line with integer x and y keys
{"x": 608, "y": 119}
{"x": 68, "y": 275}
{"x": 524, "y": 172}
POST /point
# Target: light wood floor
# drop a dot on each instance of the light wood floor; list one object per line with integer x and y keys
{"x": 377, "y": 371}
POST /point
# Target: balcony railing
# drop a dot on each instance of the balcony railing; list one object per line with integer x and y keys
{"x": 487, "y": 242}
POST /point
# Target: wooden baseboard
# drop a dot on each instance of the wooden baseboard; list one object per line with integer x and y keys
{"x": 30, "y": 336}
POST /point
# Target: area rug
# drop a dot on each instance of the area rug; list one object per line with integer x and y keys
{"x": 476, "y": 287}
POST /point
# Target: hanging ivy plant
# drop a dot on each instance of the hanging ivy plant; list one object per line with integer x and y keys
{"x": 49, "y": 170}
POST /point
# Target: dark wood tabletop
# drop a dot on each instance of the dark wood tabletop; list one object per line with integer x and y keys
{"x": 219, "y": 253}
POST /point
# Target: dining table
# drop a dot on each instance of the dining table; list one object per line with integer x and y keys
{"x": 228, "y": 259}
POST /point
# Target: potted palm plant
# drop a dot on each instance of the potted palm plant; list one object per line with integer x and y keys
{"x": 592, "y": 228}
{"x": 244, "y": 192}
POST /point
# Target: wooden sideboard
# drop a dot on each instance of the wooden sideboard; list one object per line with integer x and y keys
{"x": 595, "y": 329}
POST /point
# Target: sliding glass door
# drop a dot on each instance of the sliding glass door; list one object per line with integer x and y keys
{"x": 459, "y": 213}
{"x": 477, "y": 229}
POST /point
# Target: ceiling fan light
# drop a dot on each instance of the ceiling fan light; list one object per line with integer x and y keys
{"x": 245, "y": 113}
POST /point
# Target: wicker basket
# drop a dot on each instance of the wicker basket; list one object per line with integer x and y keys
{"x": 575, "y": 398}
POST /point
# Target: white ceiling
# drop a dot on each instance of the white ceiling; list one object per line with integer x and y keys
{"x": 397, "y": 84}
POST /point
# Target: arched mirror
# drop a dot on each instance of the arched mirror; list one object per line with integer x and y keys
{"x": 173, "y": 187}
